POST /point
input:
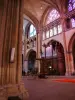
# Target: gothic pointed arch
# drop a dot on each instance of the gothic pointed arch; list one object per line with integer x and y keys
{"x": 31, "y": 59}
{"x": 54, "y": 53}
{"x": 52, "y": 15}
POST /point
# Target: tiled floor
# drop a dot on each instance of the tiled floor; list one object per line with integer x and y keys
{"x": 46, "y": 89}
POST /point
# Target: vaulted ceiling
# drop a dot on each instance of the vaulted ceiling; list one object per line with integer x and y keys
{"x": 35, "y": 10}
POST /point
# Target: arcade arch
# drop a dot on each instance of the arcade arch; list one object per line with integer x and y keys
{"x": 54, "y": 58}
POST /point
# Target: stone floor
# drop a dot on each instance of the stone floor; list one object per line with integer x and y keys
{"x": 47, "y": 89}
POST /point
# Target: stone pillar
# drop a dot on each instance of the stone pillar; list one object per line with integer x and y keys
{"x": 71, "y": 65}
{"x": 3, "y": 6}
{"x": 65, "y": 45}
{"x": 38, "y": 47}
{"x": 11, "y": 18}
{"x": 61, "y": 61}
{"x": 25, "y": 67}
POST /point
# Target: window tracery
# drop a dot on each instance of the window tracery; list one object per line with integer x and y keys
{"x": 56, "y": 28}
{"x": 53, "y": 15}
{"x": 71, "y": 5}
{"x": 53, "y": 31}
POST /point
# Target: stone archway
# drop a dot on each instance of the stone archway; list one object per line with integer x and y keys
{"x": 54, "y": 62}
{"x": 31, "y": 60}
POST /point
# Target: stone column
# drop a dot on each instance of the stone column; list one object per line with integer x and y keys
{"x": 65, "y": 44}
{"x": 38, "y": 47}
{"x": 11, "y": 18}
{"x": 3, "y": 6}
{"x": 71, "y": 65}
{"x": 25, "y": 67}
{"x": 61, "y": 61}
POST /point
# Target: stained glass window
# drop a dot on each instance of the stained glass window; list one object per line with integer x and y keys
{"x": 73, "y": 22}
{"x": 32, "y": 31}
{"x": 71, "y": 5}
{"x": 51, "y": 32}
{"x": 55, "y": 30}
{"x": 59, "y": 28}
{"x": 53, "y": 15}
{"x": 47, "y": 34}
{"x": 74, "y": 5}
{"x": 43, "y": 35}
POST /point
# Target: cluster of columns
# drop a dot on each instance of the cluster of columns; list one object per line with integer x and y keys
{"x": 68, "y": 54}
{"x": 11, "y": 33}
{"x": 11, "y": 22}
{"x": 39, "y": 46}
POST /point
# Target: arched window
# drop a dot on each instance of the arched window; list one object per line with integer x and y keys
{"x": 59, "y": 29}
{"x": 73, "y": 22}
{"x": 71, "y": 5}
{"x": 43, "y": 38}
{"x": 53, "y": 15}
{"x": 32, "y": 31}
{"x": 55, "y": 28}
{"x": 47, "y": 34}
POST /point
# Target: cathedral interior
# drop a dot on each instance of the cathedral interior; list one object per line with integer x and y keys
{"x": 37, "y": 38}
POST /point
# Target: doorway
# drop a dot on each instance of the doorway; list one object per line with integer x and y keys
{"x": 31, "y": 61}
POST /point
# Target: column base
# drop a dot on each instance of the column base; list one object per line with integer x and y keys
{"x": 13, "y": 90}
{"x": 67, "y": 74}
